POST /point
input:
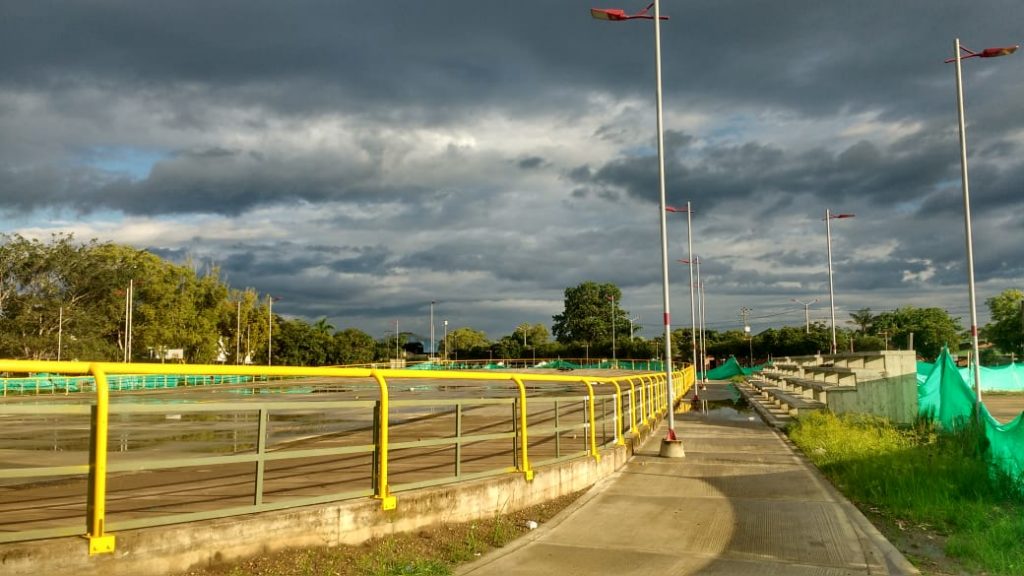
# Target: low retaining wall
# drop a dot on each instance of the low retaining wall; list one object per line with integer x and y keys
{"x": 177, "y": 548}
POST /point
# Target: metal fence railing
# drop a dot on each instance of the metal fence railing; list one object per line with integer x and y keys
{"x": 153, "y": 457}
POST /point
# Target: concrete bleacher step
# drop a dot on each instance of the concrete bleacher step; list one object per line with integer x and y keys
{"x": 769, "y": 412}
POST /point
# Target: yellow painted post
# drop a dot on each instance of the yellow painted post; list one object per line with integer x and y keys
{"x": 618, "y": 415}
{"x": 99, "y": 542}
{"x": 593, "y": 426}
{"x": 387, "y": 501}
{"x": 632, "y": 407}
{"x": 525, "y": 458}
{"x": 643, "y": 400}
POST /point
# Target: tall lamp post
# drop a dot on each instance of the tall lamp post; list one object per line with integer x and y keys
{"x": 957, "y": 57}
{"x": 270, "y": 328}
{"x": 433, "y": 352}
{"x": 807, "y": 313}
{"x": 695, "y": 262}
{"x": 693, "y": 302}
{"x": 611, "y": 300}
{"x": 829, "y": 217}
{"x": 620, "y": 15}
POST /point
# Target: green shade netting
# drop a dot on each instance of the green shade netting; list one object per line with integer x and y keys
{"x": 943, "y": 396}
{"x": 947, "y": 398}
{"x": 1009, "y": 378}
{"x": 732, "y": 368}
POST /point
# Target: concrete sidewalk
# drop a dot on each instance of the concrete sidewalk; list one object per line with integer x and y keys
{"x": 742, "y": 501}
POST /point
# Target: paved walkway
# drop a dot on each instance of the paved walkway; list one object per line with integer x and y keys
{"x": 741, "y": 502}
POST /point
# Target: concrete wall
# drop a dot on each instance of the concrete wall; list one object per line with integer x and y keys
{"x": 894, "y": 398}
{"x": 170, "y": 549}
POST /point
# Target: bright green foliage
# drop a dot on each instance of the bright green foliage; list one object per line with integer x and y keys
{"x": 353, "y": 346}
{"x": 1007, "y": 327}
{"x": 591, "y": 312}
{"x": 87, "y": 284}
{"x": 920, "y": 477}
{"x": 466, "y": 343}
{"x": 933, "y": 328}
{"x": 297, "y": 343}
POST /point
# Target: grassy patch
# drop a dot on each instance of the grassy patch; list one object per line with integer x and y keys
{"x": 433, "y": 551}
{"x": 932, "y": 494}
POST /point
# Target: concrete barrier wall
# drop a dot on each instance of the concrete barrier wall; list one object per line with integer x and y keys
{"x": 177, "y": 548}
{"x": 894, "y": 398}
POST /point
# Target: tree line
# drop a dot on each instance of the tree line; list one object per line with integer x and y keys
{"x": 103, "y": 301}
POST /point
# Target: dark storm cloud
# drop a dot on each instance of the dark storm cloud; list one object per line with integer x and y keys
{"x": 231, "y": 99}
{"x": 531, "y": 163}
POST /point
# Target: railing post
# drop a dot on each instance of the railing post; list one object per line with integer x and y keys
{"x": 524, "y": 446}
{"x": 261, "y": 450}
{"x": 643, "y": 400}
{"x": 593, "y": 426}
{"x": 619, "y": 439}
{"x": 632, "y": 407}
{"x": 382, "y": 490}
{"x": 96, "y": 508}
{"x": 458, "y": 439}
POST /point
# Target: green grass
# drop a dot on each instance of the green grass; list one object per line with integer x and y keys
{"x": 918, "y": 477}
{"x": 390, "y": 559}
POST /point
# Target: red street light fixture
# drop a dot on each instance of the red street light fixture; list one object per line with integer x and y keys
{"x": 986, "y": 53}
{"x": 957, "y": 57}
{"x": 617, "y": 14}
{"x": 670, "y": 444}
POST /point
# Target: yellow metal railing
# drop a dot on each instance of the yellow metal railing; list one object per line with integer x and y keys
{"x": 644, "y": 409}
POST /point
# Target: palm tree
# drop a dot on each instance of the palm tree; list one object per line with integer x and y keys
{"x": 864, "y": 319}
{"x": 322, "y": 326}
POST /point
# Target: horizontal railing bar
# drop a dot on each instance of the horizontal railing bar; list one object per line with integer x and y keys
{"x": 234, "y": 511}
{"x": 451, "y": 440}
{"x": 44, "y": 471}
{"x": 452, "y": 479}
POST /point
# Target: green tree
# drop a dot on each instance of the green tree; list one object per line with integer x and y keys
{"x": 353, "y": 346}
{"x": 591, "y": 312}
{"x": 1006, "y": 330}
{"x": 932, "y": 328}
{"x": 466, "y": 343}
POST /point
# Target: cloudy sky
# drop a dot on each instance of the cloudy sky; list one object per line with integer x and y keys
{"x": 360, "y": 160}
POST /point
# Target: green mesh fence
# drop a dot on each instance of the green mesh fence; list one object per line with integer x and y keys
{"x": 732, "y": 368}
{"x": 558, "y": 364}
{"x": 55, "y": 383}
{"x": 945, "y": 396}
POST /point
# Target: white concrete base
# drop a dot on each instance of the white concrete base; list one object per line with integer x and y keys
{"x": 671, "y": 449}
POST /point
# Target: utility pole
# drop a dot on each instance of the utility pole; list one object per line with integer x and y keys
{"x": 807, "y": 313}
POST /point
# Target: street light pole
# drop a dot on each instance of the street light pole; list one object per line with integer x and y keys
{"x": 445, "y": 355}
{"x": 238, "y": 331}
{"x": 807, "y": 313}
{"x": 270, "y": 330}
{"x": 689, "y": 262}
{"x": 612, "y": 301}
{"x": 607, "y": 14}
{"x": 986, "y": 53}
{"x": 60, "y": 331}
{"x": 433, "y": 352}
{"x": 829, "y": 216}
